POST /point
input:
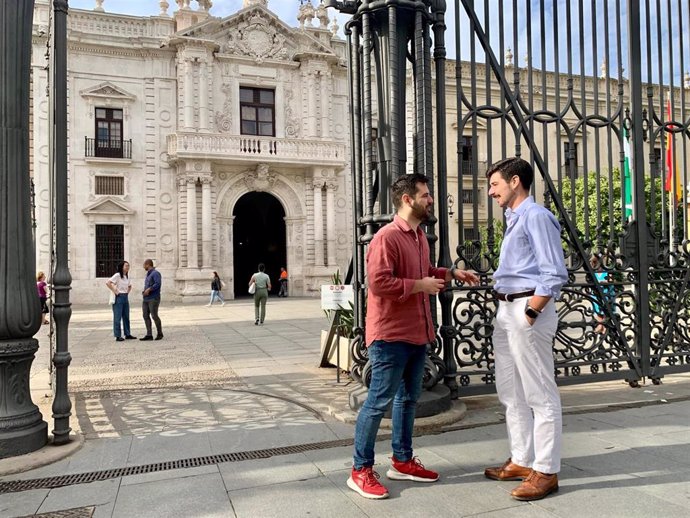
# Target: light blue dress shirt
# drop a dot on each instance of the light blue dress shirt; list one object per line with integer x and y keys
{"x": 531, "y": 253}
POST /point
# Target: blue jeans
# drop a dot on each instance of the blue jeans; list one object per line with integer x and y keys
{"x": 121, "y": 313}
{"x": 397, "y": 369}
{"x": 216, "y": 294}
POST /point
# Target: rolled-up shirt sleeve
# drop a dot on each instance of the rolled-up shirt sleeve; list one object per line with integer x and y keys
{"x": 545, "y": 240}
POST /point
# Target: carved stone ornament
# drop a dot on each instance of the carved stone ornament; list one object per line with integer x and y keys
{"x": 224, "y": 119}
{"x": 258, "y": 38}
{"x": 260, "y": 179}
{"x": 292, "y": 122}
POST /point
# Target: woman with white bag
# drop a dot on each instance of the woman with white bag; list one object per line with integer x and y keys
{"x": 259, "y": 285}
{"x": 120, "y": 286}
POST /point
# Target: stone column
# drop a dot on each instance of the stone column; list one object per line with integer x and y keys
{"x": 318, "y": 224}
{"x": 188, "y": 95}
{"x": 206, "y": 223}
{"x": 311, "y": 105}
{"x": 192, "y": 239}
{"x": 331, "y": 187}
{"x": 203, "y": 95}
{"x": 326, "y": 99}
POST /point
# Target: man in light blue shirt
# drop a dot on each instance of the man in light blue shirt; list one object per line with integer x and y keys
{"x": 528, "y": 279}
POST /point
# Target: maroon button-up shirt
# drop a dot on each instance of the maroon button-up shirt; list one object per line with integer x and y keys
{"x": 398, "y": 256}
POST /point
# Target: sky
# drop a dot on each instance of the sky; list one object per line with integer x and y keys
{"x": 669, "y": 40}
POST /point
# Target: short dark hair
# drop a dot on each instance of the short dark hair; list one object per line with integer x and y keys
{"x": 406, "y": 184}
{"x": 149, "y": 262}
{"x": 513, "y": 166}
{"x": 261, "y": 267}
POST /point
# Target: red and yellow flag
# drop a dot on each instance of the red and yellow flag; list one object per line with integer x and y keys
{"x": 672, "y": 175}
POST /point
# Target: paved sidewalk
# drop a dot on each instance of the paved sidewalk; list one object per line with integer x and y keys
{"x": 249, "y": 413}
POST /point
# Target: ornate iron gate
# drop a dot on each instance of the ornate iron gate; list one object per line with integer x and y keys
{"x": 593, "y": 94}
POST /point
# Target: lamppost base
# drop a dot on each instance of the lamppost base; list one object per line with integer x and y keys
{"x": 431, "y": 402}
{"x": 26, "y": 440}
{"x": 22, "y": 428}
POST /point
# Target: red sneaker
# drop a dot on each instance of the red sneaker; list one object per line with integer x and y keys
{"x": 411, "y": 470}
{"x": 366, "y": 482}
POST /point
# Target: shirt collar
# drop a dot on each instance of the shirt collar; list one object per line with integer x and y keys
{"x": 520, "y": 210}
{"x": 403, "y": 225}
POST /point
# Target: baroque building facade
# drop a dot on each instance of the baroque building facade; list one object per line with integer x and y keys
{"x": 212, "y": 144}
{"x": 204, "y": 143}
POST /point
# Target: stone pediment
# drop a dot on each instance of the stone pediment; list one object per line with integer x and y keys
{"x": 257, "y": 33}
{"x": 108, "y": 206}
{"x": 108, "y": 91}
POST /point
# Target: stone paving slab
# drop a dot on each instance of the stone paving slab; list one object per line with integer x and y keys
{"x": 259, "y": 387}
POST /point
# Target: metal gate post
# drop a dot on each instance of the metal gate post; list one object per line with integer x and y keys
{"x": 447, "y": 331}
{"x": 643, "y": 332}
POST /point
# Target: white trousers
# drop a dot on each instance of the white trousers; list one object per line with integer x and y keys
{"x": 526, "y": 386}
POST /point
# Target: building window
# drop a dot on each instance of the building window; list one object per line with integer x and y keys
{"x": 110, "y": 185}
{"x": 470, "y": 234}
{"x": 468, "y": 196}
{"x": 109, "y": 133}
{"x": 657, "y": 164}
{"x": 110, "y": 249}
{"x": 257, "y": 108}
{"x": 466, "y": 155}
{"x": 566, "y": 160}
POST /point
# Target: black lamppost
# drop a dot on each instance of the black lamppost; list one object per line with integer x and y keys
{"x": 22, "y": 428}
{"x": 62, "y": 280}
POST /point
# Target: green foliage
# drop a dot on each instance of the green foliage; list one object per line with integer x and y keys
{"x": 595, "y": 222}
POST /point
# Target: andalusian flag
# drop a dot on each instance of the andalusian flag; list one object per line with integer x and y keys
{"x": 671, "y": 171}
{"x": 627, "y": 178}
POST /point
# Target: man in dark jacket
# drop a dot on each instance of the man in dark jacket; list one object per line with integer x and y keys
{"x": 152, "y": 299}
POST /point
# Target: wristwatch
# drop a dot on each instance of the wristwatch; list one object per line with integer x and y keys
{"x": 531, "y": 312}
{"x": 452, "y": 272}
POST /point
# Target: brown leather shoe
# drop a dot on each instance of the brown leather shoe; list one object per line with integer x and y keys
{"x": 508, "y": 471}
{"x": 536, "y": 486}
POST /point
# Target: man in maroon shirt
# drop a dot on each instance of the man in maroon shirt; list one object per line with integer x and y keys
{"x": 398, "y": 330}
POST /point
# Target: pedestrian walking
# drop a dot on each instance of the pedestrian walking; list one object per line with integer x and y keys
{"x": 262, "y": 285}
{"x": 398, "y": 330}
{"x": 42, "y": 288}
{"x": 603, "y": 278}
{"x": 120, "y": 286}
{"x": 283, "y": 292}
{"x": 529, "y": 277}
{"x": 216, "y": 290}
{"x": 152, "y": 300}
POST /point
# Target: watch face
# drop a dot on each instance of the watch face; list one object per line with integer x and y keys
{"x": 532, "y": 313}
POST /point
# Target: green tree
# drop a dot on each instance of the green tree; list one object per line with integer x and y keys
{"x": 593, "y": 220}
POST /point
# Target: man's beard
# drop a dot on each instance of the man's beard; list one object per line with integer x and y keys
{"x": 421, "y": 213}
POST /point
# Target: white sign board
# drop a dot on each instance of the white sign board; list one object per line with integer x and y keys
{"x": 337, "y": 296}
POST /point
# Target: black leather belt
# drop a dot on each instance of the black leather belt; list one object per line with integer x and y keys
{"x": 509, "y": 297}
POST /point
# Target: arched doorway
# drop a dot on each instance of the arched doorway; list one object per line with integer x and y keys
{"x": 259, "y": 237}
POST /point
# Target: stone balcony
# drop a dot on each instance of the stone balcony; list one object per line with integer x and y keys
{"x": 250, "y": 149}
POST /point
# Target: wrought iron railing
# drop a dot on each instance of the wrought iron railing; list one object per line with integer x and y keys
{"x": 525, "y": 84}
{"x": 107, "y": 148}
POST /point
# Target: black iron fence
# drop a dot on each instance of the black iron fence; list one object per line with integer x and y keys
{"x": 598, "y": 86}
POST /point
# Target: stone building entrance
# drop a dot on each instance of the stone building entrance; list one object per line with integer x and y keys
{"x": 259, "y": 237}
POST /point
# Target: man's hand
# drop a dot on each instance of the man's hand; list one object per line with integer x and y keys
{"x": 146, "y": 291}
{"x": 428, "y": 285}
{"x": 467, "y": 277}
